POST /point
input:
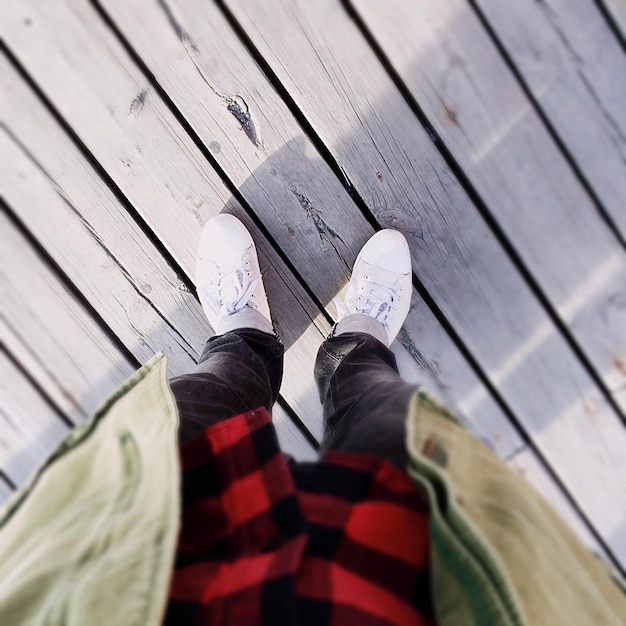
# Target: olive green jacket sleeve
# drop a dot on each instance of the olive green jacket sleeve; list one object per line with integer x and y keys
{"x": 91, "y": 538}
{"x": 500, "y": 556}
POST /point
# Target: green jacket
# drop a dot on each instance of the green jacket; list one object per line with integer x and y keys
{"x": 499, "y": 554}
{"x": 91, "y": 538}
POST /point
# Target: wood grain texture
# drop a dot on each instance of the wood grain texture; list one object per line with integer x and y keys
{"x": 30, "y": 427}
{"x": 210, "y": 76}
{"x": 475, "y": 104}
{"x": 390, "y": 160}
{"x": 155, "y": 164}
{"x": 570, "y": 59}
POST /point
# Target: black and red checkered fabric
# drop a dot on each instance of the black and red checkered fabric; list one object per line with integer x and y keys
{"x": 268, "y": 541}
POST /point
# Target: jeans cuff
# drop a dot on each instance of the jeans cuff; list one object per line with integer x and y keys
{"x": 246, "y": 318}
{"x": 361, "y": 323}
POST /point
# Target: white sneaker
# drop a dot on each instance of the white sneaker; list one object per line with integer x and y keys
{"x": 380, "y": 287}
{"x": 228, "y": 278}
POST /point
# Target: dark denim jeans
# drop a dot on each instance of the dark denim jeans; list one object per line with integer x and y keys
{"x": 365, "y": 400}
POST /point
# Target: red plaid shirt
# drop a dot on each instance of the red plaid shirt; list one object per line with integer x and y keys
{"x": 269, "y": 541}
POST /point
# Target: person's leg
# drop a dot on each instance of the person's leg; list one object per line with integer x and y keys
{"x": 240, "y": 369}
{"x": 237, "y": 372}
{"x": 365, "y": 400}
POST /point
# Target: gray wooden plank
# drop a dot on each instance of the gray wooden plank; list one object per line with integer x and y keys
{"x": 31, "y": 429}
{"x": 391, "y": 162}
{"x": 116, "y": 98}
{"x": 474, "y": 102}
{"x": 31, "y": 362}
{"x": 40, "y": 311}
{"x": 569, "y": 59}
{"x": 95, "y": 242}
{"x": 175, "y": 190}
{"x": 208, "y": 74}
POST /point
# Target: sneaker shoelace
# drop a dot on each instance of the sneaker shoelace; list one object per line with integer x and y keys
{"x": 374, "y": 299}
{"x": 235, "y": 290}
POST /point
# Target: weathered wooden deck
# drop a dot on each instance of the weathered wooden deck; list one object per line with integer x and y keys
{"x": 493, "y": 134}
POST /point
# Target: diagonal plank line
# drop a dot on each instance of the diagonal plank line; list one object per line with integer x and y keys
{"x": 486, "y": 214}
{"x": 64, "y": 278}
{"x": 571, "y": 161}
{"x": 95, "y": 164}
{"x": 207, "y": 155}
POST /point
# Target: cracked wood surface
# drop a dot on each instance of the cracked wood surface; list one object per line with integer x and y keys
{"x": 369, "y": 128}
{"x": 289, "y": 186}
